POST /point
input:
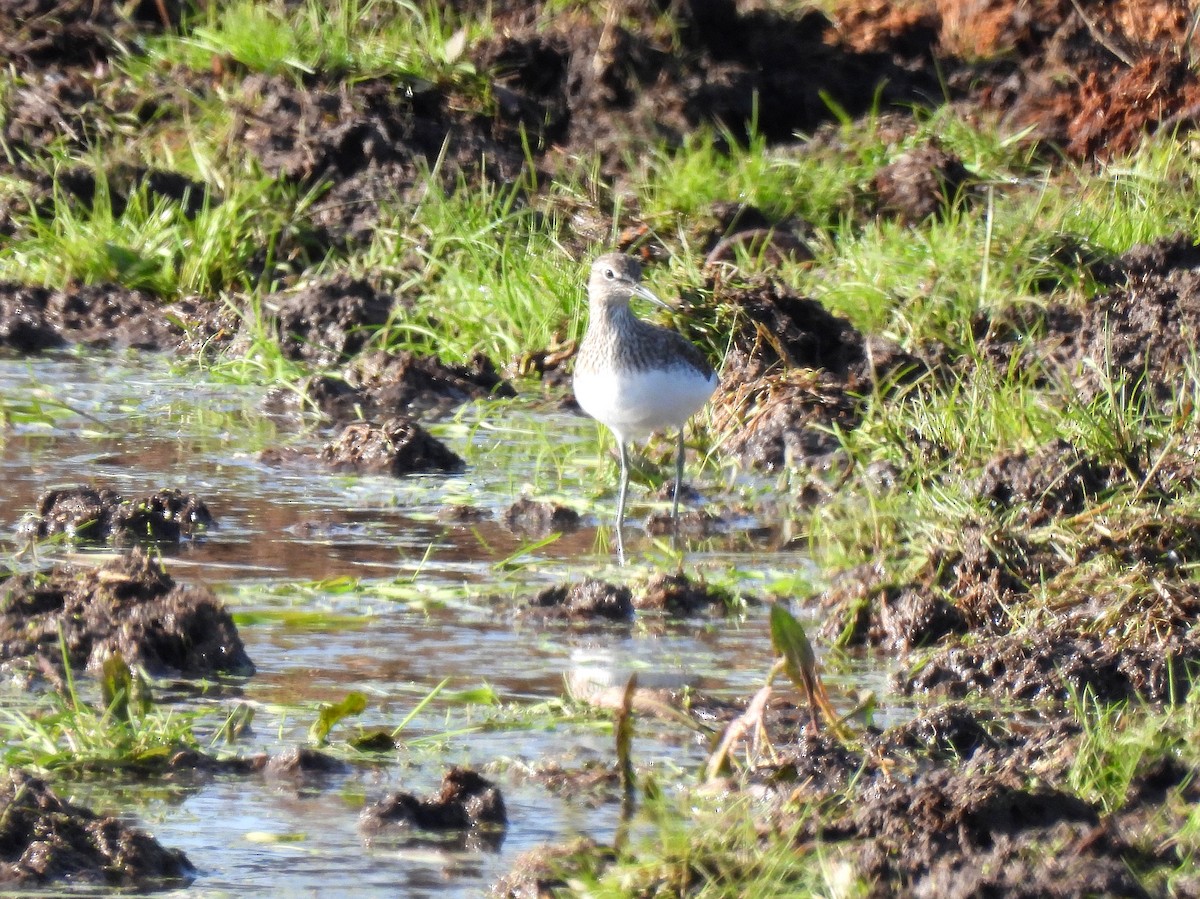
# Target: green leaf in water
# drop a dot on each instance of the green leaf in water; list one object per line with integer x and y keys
{"x": 484, "y": 694}
{"x": 116, "y": 686}
{"x": 329, "y": 715}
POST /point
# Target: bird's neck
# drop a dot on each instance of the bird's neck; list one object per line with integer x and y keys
{"x": 615, "y": 316}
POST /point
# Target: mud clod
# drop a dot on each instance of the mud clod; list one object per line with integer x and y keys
{"x": 380, "y": 384}
{"x": 951, "y": 731}
{"x": 677, "y": 594}
{"x": 44, "y": 840}
{"x": 794, "y": 373}
{"x": 1055, "y": 481}
{"x": 394, "y": 383}
{"x": 131, "y": 606}
{"x": 467, "y": 802}
{"x": 33, "y": 319}
{"x": 87, "y": 513}
{"x": 534, "y": 518}
{"x": 587, "y": 600}
{"x": 397, "y": 447}
{"x": 300, "y": 762}
{"x": 950, "y": 834}
{"x": 1057, "y": 665}
{"x": 23, "y": 324}
{"x": 921, "y": 183}
{"x": 1143, "y": 332}
{"x": 328, "y": 322}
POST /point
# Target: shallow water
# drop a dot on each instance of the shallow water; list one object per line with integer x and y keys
{"x": 424, "y": 601}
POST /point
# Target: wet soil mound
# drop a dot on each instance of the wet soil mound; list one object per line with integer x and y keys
{"x": 103, "y": 315}
{"x": 129, "y": 606}
{"x": 920, "y": 184}
{"x": 327, "y": 322}
{"x": 44, "y": 840}
{"x": 1054, "y": 482}
{"x": 87, "y": 513}
{"x": 952, "y": 834}
{"x": 77, "y": 33}
{"x": 382, "y": 384}
{"x": 582, "y": 82}
{"x": 384, "y": 138}
{"x": 467, "y": 804}
{"x": 680, "y": 595}
{"x": 1144, "y": 331}
{"x": 588, "y": 600}
{"x": 24, "y": 326}
{"x": 794, "y": 372}
{"x": 392, "y": 383}
{"x": 1059, "y": 664}
{"x": 532, "y": 518}
{"x": 397, "y": 447}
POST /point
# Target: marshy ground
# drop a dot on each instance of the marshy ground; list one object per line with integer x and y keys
{"x": 307, "y": 567}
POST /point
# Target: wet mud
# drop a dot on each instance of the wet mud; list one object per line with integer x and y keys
{"x": 34, "y": 319}
{"x": 129, "y": 606}
{"x": 397, "y": 447}
{"x": 674, "y": 595}
{"x": 953, "y": 803}
{"x": 101, "y": 514}
{"x": 46, "y": 840}
{"x": 468, "y": 806}
{"x": 793, "y": 373}
{"x": 533, "y": 518}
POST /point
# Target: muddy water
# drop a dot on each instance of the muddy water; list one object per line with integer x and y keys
{"x": 342, "y": 583}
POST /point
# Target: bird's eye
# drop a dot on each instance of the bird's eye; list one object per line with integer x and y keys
{"x": 609, "y": 273}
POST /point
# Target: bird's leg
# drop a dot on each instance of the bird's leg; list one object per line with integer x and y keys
{"x": 621, "y": 496}
{"x": 678, "y": 481}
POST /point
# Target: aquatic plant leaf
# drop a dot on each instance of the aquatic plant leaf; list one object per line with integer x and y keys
{"x": 116, "y": 686}
{"x": 484, "y": 694}
{"x": 624, "y": 738}
{"x": 329, "y": 715}
{"x": 800, "y": 664}
{"x": 791, "y": 642}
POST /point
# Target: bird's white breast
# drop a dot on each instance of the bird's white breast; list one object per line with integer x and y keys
{"x": 636, "y": 403}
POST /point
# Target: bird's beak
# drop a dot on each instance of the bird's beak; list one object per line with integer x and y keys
{"x": 647, "y": 294}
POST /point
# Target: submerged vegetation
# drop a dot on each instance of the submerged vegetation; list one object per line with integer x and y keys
{"x": 959, "y": 376}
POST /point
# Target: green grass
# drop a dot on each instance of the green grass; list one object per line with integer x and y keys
{"x": 344, "y": 38}
{"x": 123, "y": 728}
{"x": 154, "y": 244}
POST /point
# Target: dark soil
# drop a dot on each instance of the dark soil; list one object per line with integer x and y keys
{"x": 91, "y": 514}
{"x": 33, "y": 319}
{"x": 587, "y": 600}
{"x": 947, "y": 804}
{"x": 394, "y": 383}
{"x": 468, "y": 806}
{"x": 680, "y": 595}
{"x": 129, "y": 606}
{"x": 398, "y": 446}
{"x": 922, "y": 183}
{"x": 532, "y": 518}
{"x": 379, "y": 384}
{"x": 793, "y": 372}
{"x": 328, "y": 322}
{"x": 45, "y": 840}
{"x": 1059, "y": 663}
{"x": 1054, "y": 482}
